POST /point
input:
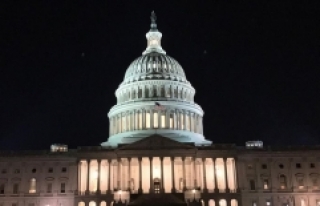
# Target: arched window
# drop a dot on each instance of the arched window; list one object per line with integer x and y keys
{"x": 283, "y": 181}
{"x": 234, "y": 202}
{"x": 303, "y": 202}
{"x": 92, "y": 203}
{"x": 103, "y": 203}
{"x": 222, "y": 202}
{"x": 81, "y": 204}
{"x": 33, "y": 185}
{"x": 211, "y": 203}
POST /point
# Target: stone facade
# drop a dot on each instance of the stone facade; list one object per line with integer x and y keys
{"x": 258, "y": 176}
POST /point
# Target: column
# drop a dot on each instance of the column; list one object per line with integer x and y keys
{"x": 119, "y": 174}
{"x": 140, "y": 176}
{"x": 88, "y": 176}
{"x": 79, "y": 177}
{"x": 129, "y": 173}
{"x": 162, "y": 180}
{"x": 184, "y": 119}
{"x": 99, "y": 174}
{"x": 143, "y": 113}
{"x": 194, "y": 173}
{"x": 167, "y": 119}
{"x": 236, "y": 179}
{"x": 225, "y": 173}
{"x": 151, "y": 175}
{"x": 216, "y": 189}
{"x": 109, "y": 175}
{"x": 205, "y": 190}
{"x": 173, "y": 190}
{"x": 184, "y": 173}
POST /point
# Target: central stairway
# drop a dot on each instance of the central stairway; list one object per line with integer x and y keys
{"x": 162, "y": 199}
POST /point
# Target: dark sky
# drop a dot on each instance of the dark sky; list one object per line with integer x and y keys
{"x": 254, "y": 65}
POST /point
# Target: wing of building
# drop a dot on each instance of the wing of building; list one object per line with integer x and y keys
{"x": 156, "y": 154}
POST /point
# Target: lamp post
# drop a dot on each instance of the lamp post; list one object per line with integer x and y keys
{"x": 194, "y": 194}
{"x": 120, "y": 191}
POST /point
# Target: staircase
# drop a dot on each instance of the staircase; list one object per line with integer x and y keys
{"x": 162, "y": 199}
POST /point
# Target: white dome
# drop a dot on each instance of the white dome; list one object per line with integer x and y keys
{"x": 154, "y": 66}
{"x": 155, "y": 97}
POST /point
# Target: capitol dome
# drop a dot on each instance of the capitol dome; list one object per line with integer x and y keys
{"x": 154, "y": 65}
{"x": 155, "y": 97}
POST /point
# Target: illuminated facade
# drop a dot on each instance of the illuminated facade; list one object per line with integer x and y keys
{"x": 156, "y": 148}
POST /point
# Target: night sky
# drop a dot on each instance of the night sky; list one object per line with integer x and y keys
{"x": 254, "y": 65}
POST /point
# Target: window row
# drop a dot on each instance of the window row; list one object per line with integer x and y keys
{"x": 155, "y": 91}
{"x": 222, "y": 202}
{"x": 281, "y": 166}
{"x": 33, "y": 170}
{"x": 303, "y": 202}
{"x": 299, "y": 182}
{"x": 154, "y": 119}
{"x": 32, "y": 187}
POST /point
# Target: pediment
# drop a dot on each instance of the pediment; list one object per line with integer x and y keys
{"x": 156, "y": 142}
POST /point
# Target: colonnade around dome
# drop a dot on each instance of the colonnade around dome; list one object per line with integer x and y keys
{"x": 167, "y": 90}
{"x": 144, "y": 119}
{"x": 163, "y": 174}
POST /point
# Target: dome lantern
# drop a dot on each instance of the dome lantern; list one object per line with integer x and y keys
{"x": 153, "y": 37}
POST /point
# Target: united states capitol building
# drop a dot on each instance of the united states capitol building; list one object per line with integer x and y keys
{"x": 156, "y": 154}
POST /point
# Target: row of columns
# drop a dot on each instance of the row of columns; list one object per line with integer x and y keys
{"x": 151, "y": 91}
{"x": 154, "y": 119}
{"x": 173, "y": 190}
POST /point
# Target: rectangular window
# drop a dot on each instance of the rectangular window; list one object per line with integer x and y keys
{"x": 63, "y": 188}
{"x": 64, "y": 169}
{"x": 265, "y": 184}
{"x": 140, "y": 120}
{"x": 49, "y": 188}
{"x": 252, "y": 185}
{"x": 171, "y": 121}
{"x": 163, "y": 121}
{"x": 155, "y": 119}
{"x": 50, "y": 170}
{"x": 187, "y": 122}
{"x": 128, "y": 122}
{"x": 182, "y": 127}
{"x": 123, "y": 123}
{"x": 2, "y": 189}
{"x": 148, "y": 120}
{"x": 15, "y": 188}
